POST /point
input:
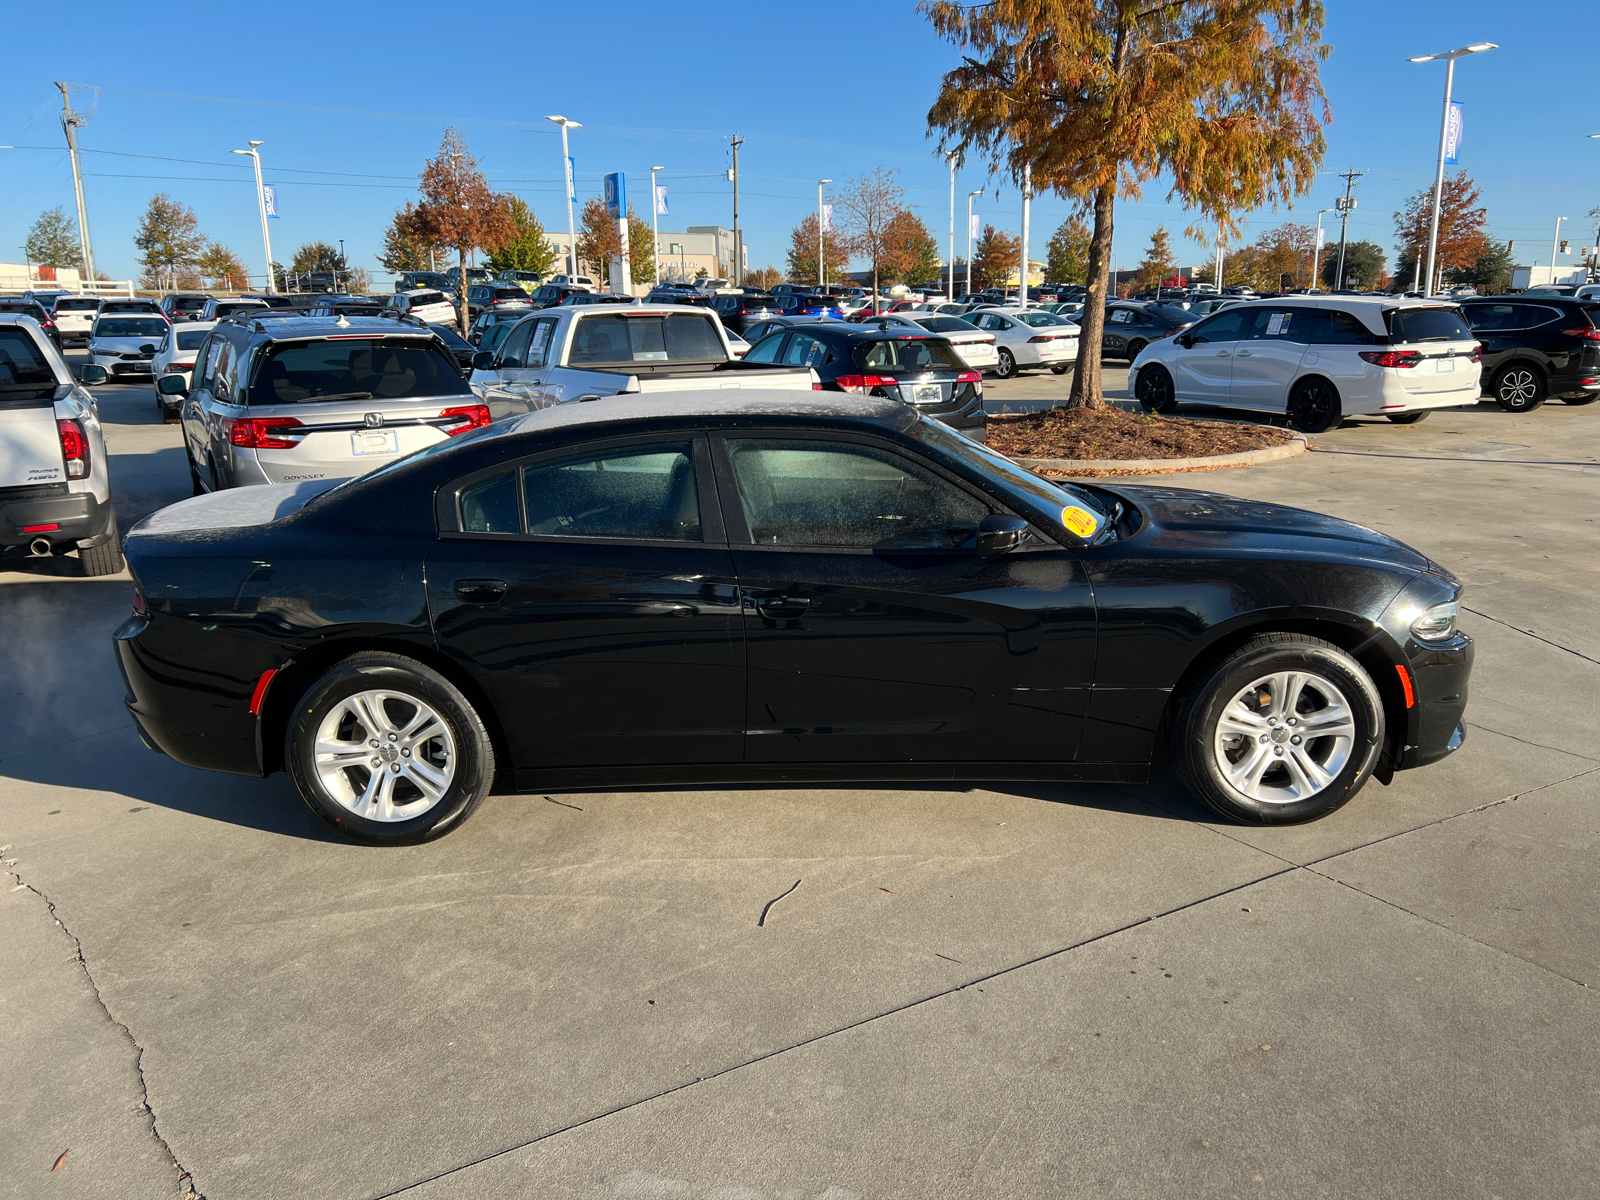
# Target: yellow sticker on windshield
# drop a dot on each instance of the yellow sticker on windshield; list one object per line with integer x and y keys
{"x": 1079, "y": 521}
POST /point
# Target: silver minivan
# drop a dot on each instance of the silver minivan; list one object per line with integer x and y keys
{"x": 302, "y": 399}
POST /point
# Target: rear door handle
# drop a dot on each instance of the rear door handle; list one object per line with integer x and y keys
{"x": 1224, "y": 354}
{"x": 480, "y": 591}
{"x": 1244, "y": 354}
{"x": 776, "y": 607}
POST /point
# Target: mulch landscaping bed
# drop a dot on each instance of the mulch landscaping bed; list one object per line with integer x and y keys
{"x": 1114, "y": 433}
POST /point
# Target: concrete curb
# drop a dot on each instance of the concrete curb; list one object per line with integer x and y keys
{"x": 1247, "y": 458}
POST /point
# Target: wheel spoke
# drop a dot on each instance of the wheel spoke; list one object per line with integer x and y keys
{"x": 1308, "y": 774}
{"x": 1237, "y": 719}
{"x": 364, "y": 803}
{"x": 430, "y": 781}
{"x": 1332, "y": 721}
{"x": 365, "y": 705}
{"x": 1246, "y": 773}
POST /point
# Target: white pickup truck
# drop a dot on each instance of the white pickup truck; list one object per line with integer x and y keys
{"x": 586, "y": 352}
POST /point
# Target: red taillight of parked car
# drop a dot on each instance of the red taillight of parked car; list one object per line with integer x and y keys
{"x": 862, "y": 384}
{"x": 1591, "y": 334}
{"x": 465, "y": 417}
{"x": 1044, "y": 337}
{"x": 969, "y": 377}
{"x": 1391, "y": 358}
{"x": 264, "y": 433}
{"x": 74, "y": 449}
{"x": 181, "y": 367}
{"x": 1477, "y": 353}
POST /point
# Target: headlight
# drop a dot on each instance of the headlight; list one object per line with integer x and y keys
{"x": 1436, "y": 624}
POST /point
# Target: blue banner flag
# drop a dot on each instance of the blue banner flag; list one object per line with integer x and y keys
{"x": 269, "y": 194}
{"x": 1452, "y": 134}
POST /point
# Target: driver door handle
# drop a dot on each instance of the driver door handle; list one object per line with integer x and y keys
{"x": 778, "y": 607}
{"x": 1244, "y": 354}
{"x": 480, "y": 591}
{"x": 1224, "y": 353}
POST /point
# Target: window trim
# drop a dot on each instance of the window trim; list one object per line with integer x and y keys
{"x": 447, "y": 504}
{"x": 738, "y": 523}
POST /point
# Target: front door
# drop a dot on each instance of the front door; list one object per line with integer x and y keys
{"x": 591, "y": 595}
{"x": 1266, "y": 360}
{"x": 874, "y": 631}
{"x": 1202, "y": 370}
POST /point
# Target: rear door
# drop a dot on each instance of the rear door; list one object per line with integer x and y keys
{"x": 1267, "y": 359}
{"x": 590, "y": 592}
{"x": 1498, "y": 326}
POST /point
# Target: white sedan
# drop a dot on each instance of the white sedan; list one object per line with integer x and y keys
{"x": 175, "y": 356}
{"x": 975, "y": 347}
{"x": 1029, "y": 338}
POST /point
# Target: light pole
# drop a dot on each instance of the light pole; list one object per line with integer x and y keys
{"x": 1027, "y": 198}
{"x": 950, "y": 267}
{"x": 655, "y": 223}
{"x": 1316, "y": 249}
{"x": 970, "y": 195}
{"x": 1554, "y": 243}
{"x": 1450, "y": 57}
{"x": 566, "y": 173}
{"x": 822, "y": 269}
{"x": 261, "y": 203}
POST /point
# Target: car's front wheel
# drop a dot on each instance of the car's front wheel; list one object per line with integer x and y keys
{"x": 1155, "y": 391}
{"x": 1519, "y": 388}
{"x": 383, "y": 749}
{"x": 1285, "y": 729}
{"x": 1314, "y": 407}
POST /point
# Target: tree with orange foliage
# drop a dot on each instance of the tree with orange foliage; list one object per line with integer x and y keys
{"x": 1462, "y": 240}
{"x": 1098, "y": 97}
{"x": 458, "y": 209}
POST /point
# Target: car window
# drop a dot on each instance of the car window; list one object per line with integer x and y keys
{"x": 490, "y": 505}
{"x": 766, "y": 350}
{"x": 1487, "y": 318}
{"x": 21, "y": 360}
{"x": 1226, "y": 326}
{"x": 224, "y": 372}
{"x": 1121, "y": 316}
{"x": 805, "y": 351}
{"x": 814, "y": 493}
{"x": 1410, "y": 325}
{"x": 910, "y": 354}
{"x": 377, "y": 367}
{"x": 646, "y": 492}
{"x": 207, "y": 360}
{"x": 515, "y": 351}
{"x": 189, "y": 339}
{"x": 539, "y": 344}
{"x": 677, "y": 337}
{"x": 146, "y": 327}
{"x": 1334, "y": 327}
{"x": 1280, "y": 325}
{"x": 1534, "y": 315}
{"x": 1140, "y": 317}
{"x": 1039, "y": 319}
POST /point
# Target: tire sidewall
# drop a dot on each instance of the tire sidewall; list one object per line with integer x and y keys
{"x": 1154, "y": 371}
{"x": 1135, "y": 349}
{"x": 474, "y": 759}
{"x": 1322, "y": 424}
{"x": 1007, "y": 366}
{"x": 1197, "y": 728}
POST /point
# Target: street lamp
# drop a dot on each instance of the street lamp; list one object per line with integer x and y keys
{"x": 1450, "y": 57}
{"x": 950, "y": 268}
{"x": 261, "y": 201}
{"x": 970, "y": 195}
{"x": 822, "y": 268}
{"x": 655, "y": 224}
{"x": 566, "y": 173}
{"x": 1316, "y": 250}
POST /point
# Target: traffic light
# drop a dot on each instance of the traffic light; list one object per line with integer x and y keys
{"x": 1566, "y": 247}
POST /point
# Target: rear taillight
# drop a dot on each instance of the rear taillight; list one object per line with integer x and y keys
{"x": 264, "y": 433}
{"x": 969, "y": 377}
{"x": 862, "y": 384}
{"x": 1591, "y": 334}
{"x": 1043, "y": 337}
{"x": 182, "y": 366}
{"x": 1391, "y": 358}
{"x": 465, "y": 417}
{"x": 1477, "y": 353}
{"x": 140, "y": 606}
{"x": 74, "y": 448}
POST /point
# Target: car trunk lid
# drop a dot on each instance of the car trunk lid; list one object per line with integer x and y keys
{"x": 30, "y": 441}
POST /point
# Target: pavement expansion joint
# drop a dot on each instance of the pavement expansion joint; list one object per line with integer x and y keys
{"x": 1532, "y": 634}
{"x": 185, "y": 1181}
{"x": 1535, "y": 745}
{"x": 815, "y": 1039}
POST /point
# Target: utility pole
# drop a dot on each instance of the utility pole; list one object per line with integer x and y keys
{"x": 1027, "y": 196}
{"x": 950, "y": 266}
{"x": 1344, "y": 206}
{"x": 734, "y": 175}
{"x": 70, "y": 122}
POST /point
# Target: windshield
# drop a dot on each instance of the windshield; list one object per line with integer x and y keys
{"x": 1025, "y": 487}
{"x": 21, "y": 361}
{"x": 354, "y": 368}
{"x": 1427, "y": 325}
{"x": 111, "y": 327}
{"x": 678, "y": 337}
{"x": 190, "y": 339}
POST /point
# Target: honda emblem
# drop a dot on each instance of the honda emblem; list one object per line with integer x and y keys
{"x": 374, "y": 420}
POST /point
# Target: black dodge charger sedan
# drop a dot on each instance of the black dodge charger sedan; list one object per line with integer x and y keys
{"x": 714, "y": 588}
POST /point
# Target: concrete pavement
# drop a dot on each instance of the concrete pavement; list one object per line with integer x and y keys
{"x": 1005, "y": 990}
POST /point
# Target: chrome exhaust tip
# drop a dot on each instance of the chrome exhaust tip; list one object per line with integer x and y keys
{"x": 40, "y": 547}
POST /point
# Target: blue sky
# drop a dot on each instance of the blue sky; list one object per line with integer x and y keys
{"x": 349, "y": 102}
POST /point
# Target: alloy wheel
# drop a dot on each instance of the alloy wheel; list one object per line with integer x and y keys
{"x": 1518, "y": 387}
{"x": 384, "y": 755}
{"x": 1284, "y": 738}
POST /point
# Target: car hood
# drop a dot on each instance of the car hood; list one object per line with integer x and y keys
{"x": 1178, "y": 518}
{"x": 238, "y": 508}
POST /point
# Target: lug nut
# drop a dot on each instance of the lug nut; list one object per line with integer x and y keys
{"x": 1265, "y": 736}
{"x": 1295, "y": 740}
{"x": 1291, "y": 720}
{"x": 374, "y": 743}
{"x": 395, "y": 767}
{"x": 1278, "y": 750}
{"x": 407, "y": 753}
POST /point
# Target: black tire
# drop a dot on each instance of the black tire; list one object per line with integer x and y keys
{"x": 1580, "y": 401}
{"x": 106, "y": 558}
{"x": 1519, "y": 388}
{"x": 1006, "y": 367}
{"x": 1201, "y": 744}
{"x": 196, "y": 488}
{"x": 1135, "y": 347}
{"x": 470, "y": 750}
{"x": 1411, "y": 418}
{"x": 1155, "y": 391}
{"x": 1314, "y": 406}
{"x": 1061, "y": 368}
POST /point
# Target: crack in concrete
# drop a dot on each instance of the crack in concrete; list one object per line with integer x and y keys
{"x": 185, "y": 1180}
{"x": 1532, "y": 634}
{"x": 853, "y": 1025}
{"x": 1535, "y": 745}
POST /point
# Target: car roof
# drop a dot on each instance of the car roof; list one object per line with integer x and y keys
{"x": 302, "y": 328}
{"x": 868, "y": 411}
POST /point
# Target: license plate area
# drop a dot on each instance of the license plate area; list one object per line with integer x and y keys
{"x": 1446, "y": 366}
{"x": 374, "y": 441}
{"x": 926, "y": 393}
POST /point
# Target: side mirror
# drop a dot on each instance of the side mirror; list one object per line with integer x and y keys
{"x": 90, "y": 374}
{"x": 999, "y": 534}
{"x": 170, "y": 385}
{"x": 483, "y": 360}
{"x": 1186, "y": 341}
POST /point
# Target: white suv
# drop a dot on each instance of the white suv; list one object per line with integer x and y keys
{"x": 428, "y": 305}
{"x": 1318, "y": 359}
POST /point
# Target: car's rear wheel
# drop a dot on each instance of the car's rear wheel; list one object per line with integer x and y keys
{"x": 1006, "y": 367}
{"x": 383, "y": 749}
{"x": 1061, "y": 368}
{"x": 1314, "y": 407}
{"x": 106, "y": 558}
{"x": 1519, "y": 388}
{"x": 1285, "y": 729}
{"x": 1134, "y": 348}
{"x": 1411, "y": 418}
{"x": 1155, "y": 391}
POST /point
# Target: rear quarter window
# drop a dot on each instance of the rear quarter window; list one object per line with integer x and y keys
{"x": 1408, "y": 325}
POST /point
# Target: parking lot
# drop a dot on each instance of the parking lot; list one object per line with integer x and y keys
{"x": 1010, "y": 990}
